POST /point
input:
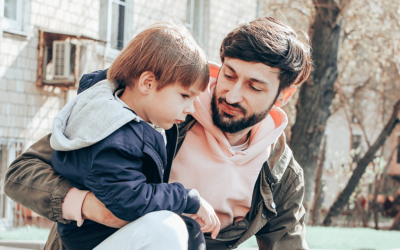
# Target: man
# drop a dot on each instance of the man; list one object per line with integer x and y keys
{"x": 232, "y": 150}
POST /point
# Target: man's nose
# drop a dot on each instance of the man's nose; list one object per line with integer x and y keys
{"x": 234, "y": 95}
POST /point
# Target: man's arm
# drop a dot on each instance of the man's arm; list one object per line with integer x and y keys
{"x": 98, "y": 212}
{"x": 287, "y": 230}
{"x": 33, "y": 183}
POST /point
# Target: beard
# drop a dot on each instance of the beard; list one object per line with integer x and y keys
{"x": 227, "y": 123}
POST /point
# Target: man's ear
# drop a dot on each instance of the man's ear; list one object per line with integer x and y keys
{"x": 146, "y": 82}
{"x": 285, "y": 95}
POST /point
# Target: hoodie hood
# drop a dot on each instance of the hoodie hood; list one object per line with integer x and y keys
{"x": 90, "y": 117}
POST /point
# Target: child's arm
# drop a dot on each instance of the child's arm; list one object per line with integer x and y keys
{"x": 116, "y": 179}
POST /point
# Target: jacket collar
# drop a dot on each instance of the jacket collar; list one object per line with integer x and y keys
{"x": 273, "y": 170}
{"x": 279, "y": 159}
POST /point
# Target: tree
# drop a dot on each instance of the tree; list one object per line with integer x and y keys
{"x": 317, "y": 93}
{"x": 366, "y": 68}
{"x": 362, "y": 164}
{"x": 370, "y": 76}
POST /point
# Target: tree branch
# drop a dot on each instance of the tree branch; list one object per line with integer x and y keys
{"x": 362, "y": 164}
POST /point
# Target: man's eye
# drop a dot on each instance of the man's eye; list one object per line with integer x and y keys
{"x": 257, "y": 90}
{"x": 184, "y": 96}
{"x": 229, "y": 77}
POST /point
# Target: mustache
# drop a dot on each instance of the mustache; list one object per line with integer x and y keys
{"x": 233, "y": 105}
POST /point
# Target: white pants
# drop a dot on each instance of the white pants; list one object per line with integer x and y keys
{"x": 157, "y": 230}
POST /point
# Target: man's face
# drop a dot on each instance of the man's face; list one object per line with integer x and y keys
{"x": 243, "y": 95}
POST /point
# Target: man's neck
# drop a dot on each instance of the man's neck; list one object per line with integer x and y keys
{"x": 238, "y": 138}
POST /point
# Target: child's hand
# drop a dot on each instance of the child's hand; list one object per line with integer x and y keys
{"x": 210, "y": 220}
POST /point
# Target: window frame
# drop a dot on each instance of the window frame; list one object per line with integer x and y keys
{"x": 198, "y": 30}
{"x": 189, "y": 25}
{"x": 10, "y": 149}
{"x": 11, "y": 24}
{"x": 109, "y": 23}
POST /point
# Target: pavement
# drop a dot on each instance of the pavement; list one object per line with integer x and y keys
{"x": 12, "y": 248}
{"x": 39, "y": 245}
{"x": 22, "y": 244}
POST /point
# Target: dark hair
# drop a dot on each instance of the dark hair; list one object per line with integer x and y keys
{"x": 169, "y": 51}
{"x": 269, "y": 41}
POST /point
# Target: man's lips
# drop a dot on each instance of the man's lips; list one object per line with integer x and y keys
{"x": 230, "y": 110}
{"x": 179, "y": 121}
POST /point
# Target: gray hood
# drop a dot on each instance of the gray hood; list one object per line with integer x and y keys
{"x": 90, "y": 117}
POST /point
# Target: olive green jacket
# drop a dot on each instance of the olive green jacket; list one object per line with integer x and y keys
{"x": 276, "y": 216}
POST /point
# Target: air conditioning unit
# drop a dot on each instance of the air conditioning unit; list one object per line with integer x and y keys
{"x": 62, "y": 55}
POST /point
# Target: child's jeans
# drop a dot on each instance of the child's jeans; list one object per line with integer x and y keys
{"x": 157, "y": 230}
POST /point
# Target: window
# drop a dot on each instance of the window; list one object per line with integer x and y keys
{"x": 190, "y": 14}
{"x": 112, "y": 23}
{"x": 196, "y": 19}
{"x": 9, "y": 150}
{"x": 398, "y": 149}
{"x": 12, "y": 12}
{"x": 356, "y": 147}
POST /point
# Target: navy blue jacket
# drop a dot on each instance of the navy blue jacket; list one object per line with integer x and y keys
{"x": 128, "y": 171}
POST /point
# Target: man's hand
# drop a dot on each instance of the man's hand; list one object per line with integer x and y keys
{"x": 93, "y": 209}
{"x": 210, "y": 220}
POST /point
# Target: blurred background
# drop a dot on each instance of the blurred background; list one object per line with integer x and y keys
{"x": 343, "y": 127}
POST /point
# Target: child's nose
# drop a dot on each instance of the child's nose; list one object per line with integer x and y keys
{"x": 189, "y": 109}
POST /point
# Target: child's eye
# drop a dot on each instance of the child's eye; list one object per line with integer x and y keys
{"x": 184, "y": 96}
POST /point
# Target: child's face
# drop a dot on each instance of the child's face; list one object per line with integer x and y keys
{"x": 171, "y": 104}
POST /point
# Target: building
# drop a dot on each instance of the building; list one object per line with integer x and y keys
{"x": 46, "y": 46}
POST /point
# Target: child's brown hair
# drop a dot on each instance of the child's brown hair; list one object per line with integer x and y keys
{"x": 169, "y": 51}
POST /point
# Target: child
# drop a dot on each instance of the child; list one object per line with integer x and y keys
{"x": 117, "y": 138}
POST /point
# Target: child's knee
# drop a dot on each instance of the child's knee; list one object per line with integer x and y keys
{"x": 165, "y": 225}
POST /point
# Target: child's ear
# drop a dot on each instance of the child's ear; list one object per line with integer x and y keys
{"x": 147, "y": 82}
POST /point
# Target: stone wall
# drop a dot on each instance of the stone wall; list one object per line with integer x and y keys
{"x": 27, "y": 111}
{"x": 225, "y": 15}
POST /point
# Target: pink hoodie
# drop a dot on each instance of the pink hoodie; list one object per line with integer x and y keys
{"x": 207, "y": 162}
